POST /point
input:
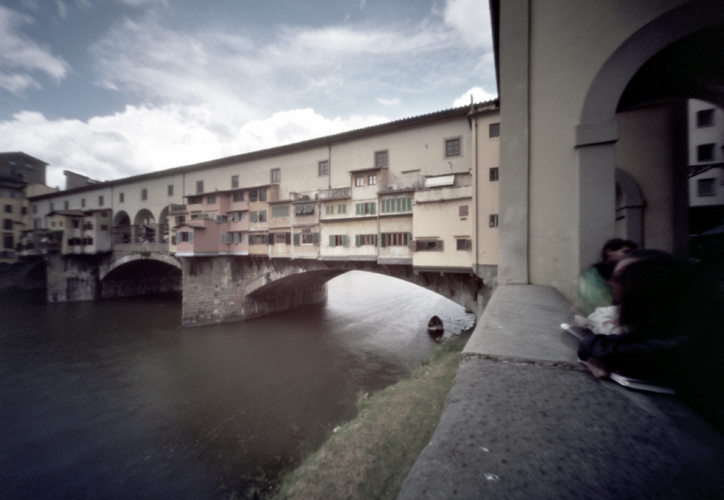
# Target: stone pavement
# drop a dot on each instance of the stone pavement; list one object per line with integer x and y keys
{"x": 525, "y": 420}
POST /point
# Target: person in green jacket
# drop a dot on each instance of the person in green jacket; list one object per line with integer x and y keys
{"x": 593, "y": 288}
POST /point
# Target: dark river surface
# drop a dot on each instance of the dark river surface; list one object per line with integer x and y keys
{"x": 114, "y": 399}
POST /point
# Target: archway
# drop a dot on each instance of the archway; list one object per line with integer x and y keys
{"x": 631, "y": 77}
{"x": 144, "y": 227}
{"x": 121, "y": 228}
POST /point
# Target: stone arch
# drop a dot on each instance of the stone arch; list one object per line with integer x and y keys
{"x": 126, "y": 259}
{"x": 121, "y": 227}
{"x": 145, "y": 227}
{"x": 163, "y": 226}
{"x": 597, "y": 131}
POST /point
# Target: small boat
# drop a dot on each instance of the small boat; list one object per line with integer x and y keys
{"x": 435, "y": 327}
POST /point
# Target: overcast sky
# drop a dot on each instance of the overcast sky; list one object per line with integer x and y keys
{"x": 111, "y": 88}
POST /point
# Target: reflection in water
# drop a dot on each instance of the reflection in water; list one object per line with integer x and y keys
{"x": 113, "y": 399}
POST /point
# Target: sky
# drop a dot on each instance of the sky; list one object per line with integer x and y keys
{"x": 113, "y": 88}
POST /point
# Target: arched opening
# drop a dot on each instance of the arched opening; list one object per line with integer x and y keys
{"x": 140, "y": 277}
{"x": 121, "y": 228}
{"x": 634, "y": 118}
{"x": 144, "y": 227}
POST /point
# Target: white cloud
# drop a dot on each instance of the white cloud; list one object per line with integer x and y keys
{"x": 146, "y": 139}
{"x": 20, "y": 56}
{"x": 471, "y": 18}
{"x": 388, "y": 102}
{"x": 479, "y": 95}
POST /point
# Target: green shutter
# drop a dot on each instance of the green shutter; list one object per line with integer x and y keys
{"x": 383, "y": 243}
{"x": 345, "y": 240}
{"x": 357, "y": 241}
{"x": 373, "y": 207}
{"x": 315, "y": 239}
{"x": 296, "y": 239}
{"x": 374, "y": 239}
{"x": 331, "y": 240}
{"x": 409, "y": 238}
{"x": 358, "y": 208}
{"x": 253, "y": 216}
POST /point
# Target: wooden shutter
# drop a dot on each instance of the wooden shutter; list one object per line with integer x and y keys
{"x": 297, "y": 239}
{"x": 315, "y": 239}
{"x": 357, "y": 241}
{"x": 345, "y": 240}
{"x": 383, "y": 242}
{"x": 439, "y": 245}
{"x": 331, "y": 240}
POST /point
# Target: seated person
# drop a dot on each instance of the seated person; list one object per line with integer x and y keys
{"x": 593, "y": 288}
{"x": 671, "y": 318}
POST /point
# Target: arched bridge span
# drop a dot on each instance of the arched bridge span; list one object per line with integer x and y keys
{"x": 222, "y": 289}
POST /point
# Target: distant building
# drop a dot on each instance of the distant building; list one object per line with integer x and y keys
{"x": 706, "y": 166}
{"x": 21, "y": 176}
{"x": 74, "y": 180}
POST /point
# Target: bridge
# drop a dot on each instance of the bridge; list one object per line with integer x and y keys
{"x": 261, "y": 232}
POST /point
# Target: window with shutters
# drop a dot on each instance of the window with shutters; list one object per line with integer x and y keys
{"x": 368, "y": 208}
{"x": 329, "y": 209}
{"x": 493, "y": 220}
{"x": 464, "y": 244}
{"x": 338, "y": 240}
{"x": 463, "y": 210}
{"x": 324, "y": 167}
{"x": 199, "y": 187}
{"x": 234, "y": 181}
{"x": 278, "y": 212}
{"x": 342, "y": 208}
{"x": 366, "y": 240}
{"x": 395, "y": 239}
{"x": 428, "y": 245}
{"x": 276, "y": 175}
{"x": 494, "y": 130}
{"x": 144, "y": 194}
{"x": 392, "y": 205}
{"x": 359, "y": 181}
{"x": 493, "y": 174}
{"x": 308, "y": 238}
{"x": 238, "y": 196}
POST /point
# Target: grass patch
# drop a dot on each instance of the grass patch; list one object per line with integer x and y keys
{"x": 369, "y": 457}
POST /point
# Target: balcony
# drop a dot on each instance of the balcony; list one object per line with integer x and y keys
{"x": 335, "y": 194}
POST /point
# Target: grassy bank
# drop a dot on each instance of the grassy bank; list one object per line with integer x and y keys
{"x": 370, "y": 456}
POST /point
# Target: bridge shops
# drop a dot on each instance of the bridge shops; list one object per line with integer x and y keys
{"x": 263, "y": 231}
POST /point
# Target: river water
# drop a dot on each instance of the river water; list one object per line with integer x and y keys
{"x": 114, "y": 399}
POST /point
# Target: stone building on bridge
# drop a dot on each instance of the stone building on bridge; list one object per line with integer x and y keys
{"x": 405, "y": 193}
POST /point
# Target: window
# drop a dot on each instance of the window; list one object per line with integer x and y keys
{"x": 8, "y": 241}
{"x": 253, "y": 216}
{"x": 494, "y": 130}
{"x": 493, "y": 174}
{"x": 283, "y": 238}
{"x": 144, "y": 194}
{"x": 428, "y": 245}
{"x": 88, "y": 241}
{"x": 234, "y": 181}
{"x": 706, "y": 187}
{"x": 24, "y": 210}
{"x": 238, "y": 196}
{"x": 121, "y": 197}
{"x": 493, "y": 220}
{"x": 306, "y": 209}
{"x": 308, "y": 238}
{"x": 187, "y": 236}
{"x": 338, "y": 240}
{"x": 199, "y": 187}
{"x": 100, "y": 201}
{"x": 366, "y": 208}
{"x": 381, "y": 159}
{"x": 104, "y": 227}
{"x": 705, "y": 118}
{"x": 282, "y": 211}
{"x": 7, "y": 223}
{"x": 35, "y": 209}
{"x": 52, "y": 207}
{"x": 262, "y": 194}
{"x": 452, "y": 147}
{"x": 76, "y": 223}
{"x": 372, "y": 180}
{"x": 389, "y": 205}
{"x": 276, "y": 175}
{"x": 236, "y": 237}
{"x": 342, "y": 208}
{"x": 82, "y": 202}
{"x": 395, "y": 239}
{"x": 324, "y": 167}
{"x": 365, "y": 240}
{"x": 65, "y": 205}
{"x": 9, "y": 208}
{"x": 252, "y": 195}
{"x": 464, "y": 244}
{"x": 226, "y": 238}
{"x": 169, "y": 190}
{"x": 262, "y": 215}
{"x": 195, "y": 200}
{"x": 463, "y": 210}
{"x": 211, "y": 200}
{"x": 705, "y": 152}
{"x": 329, "y": 209}
{"x": 359, "y": 181}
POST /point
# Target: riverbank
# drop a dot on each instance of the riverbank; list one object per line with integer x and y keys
{"x": 370, "y": 456}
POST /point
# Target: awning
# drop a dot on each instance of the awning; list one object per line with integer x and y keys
{"x": 440, "y": 181}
